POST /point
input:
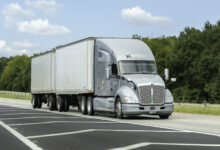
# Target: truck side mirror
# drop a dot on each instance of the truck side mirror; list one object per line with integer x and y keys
{"x": 107, "y": 72}
{"x": 166, "y": 73}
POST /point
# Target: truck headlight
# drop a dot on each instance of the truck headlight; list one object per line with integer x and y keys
{"x": 129, "y": 99}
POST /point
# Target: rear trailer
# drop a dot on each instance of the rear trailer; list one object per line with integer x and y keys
{"x": 63, "y": 75}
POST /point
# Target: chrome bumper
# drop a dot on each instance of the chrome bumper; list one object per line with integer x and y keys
{"x": 137, "y": 109}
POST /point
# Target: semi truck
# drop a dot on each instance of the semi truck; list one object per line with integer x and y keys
{"x": 114, "y": 75}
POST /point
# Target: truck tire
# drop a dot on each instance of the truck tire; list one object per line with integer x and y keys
{"x": 90, "y": 106}
{"x": 164, "y": 116}
{"x": 118, "y": 109}
{"x": 52, "y": 102}
{"x": 34, "y": 101}
{"x": 83, "y": 104}
{"x": 60, "y": 103}
{"x": 66, "y": 104}
{"x": 39, "y": 101}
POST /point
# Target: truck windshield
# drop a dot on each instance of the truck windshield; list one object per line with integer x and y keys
{"x": 137, "y": 67}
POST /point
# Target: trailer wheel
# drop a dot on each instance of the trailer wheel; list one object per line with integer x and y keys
{"x": 34, "y": 101}
{"x": 83, "y": 105}
{"x": 164, "y": 116}
{"x": 118, "y": 109}
{"x": 66, "y": 104}
{"x": 39, "y": 101}
{"x": 60, "y": 103}
{"x": 52, "y": 102}
{"x": 90, "y": 106}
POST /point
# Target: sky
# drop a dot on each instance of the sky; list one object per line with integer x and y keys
{"x": 34, "y": 26}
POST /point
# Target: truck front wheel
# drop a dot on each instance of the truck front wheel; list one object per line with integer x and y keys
{"x": 90, "y": 106}
{"x": 118, "y": 109}
{"x": 60, "y": 103}
{"x": 34, "y": 101}
{"x": 83, "y": 104}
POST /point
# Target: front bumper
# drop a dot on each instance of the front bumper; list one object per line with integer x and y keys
{"x": 137, "y": 109}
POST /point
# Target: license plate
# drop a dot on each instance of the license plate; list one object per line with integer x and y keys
{"x": 152, "y": 110}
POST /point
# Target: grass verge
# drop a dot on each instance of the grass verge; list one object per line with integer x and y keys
{"x": 21, "y": 97}
{"x": 208, "y": 109}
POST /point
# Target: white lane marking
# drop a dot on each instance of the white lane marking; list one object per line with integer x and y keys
{"x": 26, "y": 141}
{"x": 169, "y": 144}
{"x": 90, "y": 130}
{"x": 24, "y": 114}
{"x": 159, "y": 131}
{"x": 49, "y": 117}
{"x": 134, "y": 146}
{"x": 125, "y": 121}
{"x": 59, "y": 134}
{"x": 187, "y": 144}
{"x": 2, "y": 108}
{"x": 13, "y": 110}
{"x": 107, "y": 119}
{"x": 50, "y": 122}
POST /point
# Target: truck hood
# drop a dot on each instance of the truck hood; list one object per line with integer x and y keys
{"x": 144, "y": 79}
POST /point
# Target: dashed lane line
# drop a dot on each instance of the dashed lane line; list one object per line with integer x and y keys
{"x": 159, "y": 131}
{"x": 26, "y": 141}
{"x": 100, "y": 130}
{"x": 51, "y": 122}
{"x": 13, "y": 110}
{"x": 24, "y": 114}
{"x": 10, "y": 108}
{"x": 59, "y": 134}
{"x": 134, "y": 146}
{"x": 130, "y": 147}
{"x": 49, "y": 117}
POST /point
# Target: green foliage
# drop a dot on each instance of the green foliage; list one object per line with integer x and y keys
{"x": 161, "y": 48}
{"x": 3, "y": 63}
{"x": 16, "y": 75}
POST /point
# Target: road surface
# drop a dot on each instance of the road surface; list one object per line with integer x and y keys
{"x": 24, "y": 128}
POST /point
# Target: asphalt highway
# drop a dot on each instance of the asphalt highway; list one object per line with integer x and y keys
{"x": 22, "y": 128}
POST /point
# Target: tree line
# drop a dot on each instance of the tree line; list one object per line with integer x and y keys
{"x": 193, "y": 58}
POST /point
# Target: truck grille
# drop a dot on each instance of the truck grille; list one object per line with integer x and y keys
{"x": 145, "y": 94}
{"x": 156, "y": 98}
